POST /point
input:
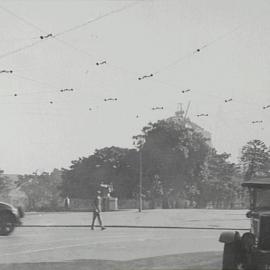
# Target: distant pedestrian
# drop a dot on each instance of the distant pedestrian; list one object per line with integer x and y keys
{"x": 67, "y": 203}
{"x": 97, "y": 210}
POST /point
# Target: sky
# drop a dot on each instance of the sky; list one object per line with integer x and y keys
{"x": 43, "y": 128}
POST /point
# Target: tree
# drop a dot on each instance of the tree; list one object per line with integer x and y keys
{"x": 217, "y": 185}
{"x": 115, "y": 165}
{"x": 177, "y": 162}
{"x": 4, "y": 183}
{"x": 42, "y": 190}
{"x": 255, "y": 158}
{"x": 176, "y": 154}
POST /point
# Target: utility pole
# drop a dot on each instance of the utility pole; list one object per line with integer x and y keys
{"x": 140, "y": 140}
{"x": 140, "y": 183}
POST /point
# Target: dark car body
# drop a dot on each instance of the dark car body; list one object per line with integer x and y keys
{"x": 10, "y": 217}
{"x": 251, "y": 251}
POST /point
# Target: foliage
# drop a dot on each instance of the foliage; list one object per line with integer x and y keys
{"x": 177, "y": 162}
{"x": 174, "y": 153}
{"x": 42, "y": 190}
{"x": 218, "y": 186}
{"x": 255, "y": 157}
{"x": 114, "y": 165}
{"x": 172, "y": 157}
{"x": 5, "y": 184}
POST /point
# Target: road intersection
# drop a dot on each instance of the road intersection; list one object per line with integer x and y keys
{"x": 119, "y": 248}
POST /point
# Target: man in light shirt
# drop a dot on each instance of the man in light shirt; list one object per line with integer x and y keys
{"x": 97, "y": 211}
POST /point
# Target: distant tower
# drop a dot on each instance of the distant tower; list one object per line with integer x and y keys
{"x": 180, "y": 112}
{"x": 181, "y": 119}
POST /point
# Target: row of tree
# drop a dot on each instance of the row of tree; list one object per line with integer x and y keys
{"x": 178, "y": 164}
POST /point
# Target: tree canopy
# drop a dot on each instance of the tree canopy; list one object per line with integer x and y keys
{"x": 43, "y": 191}
{"x": 255, "y": 158}
{"x": 177, "y": 161}
{"x": 108, "y": 165}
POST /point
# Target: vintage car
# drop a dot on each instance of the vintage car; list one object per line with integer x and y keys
{"x": 10, "y": 217}
{"x": 251, "y": 251}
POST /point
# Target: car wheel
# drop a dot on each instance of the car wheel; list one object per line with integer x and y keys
{"x": 247, "y": 244}
{"x": 231, "y": 257}
{"x": 6, "y": 225}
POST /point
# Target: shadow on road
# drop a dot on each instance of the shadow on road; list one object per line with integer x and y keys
{"x": 189, "y": 261}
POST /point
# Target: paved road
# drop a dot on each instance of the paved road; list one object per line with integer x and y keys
{"x": 37, "y": 245}
{"x": 80, "y": 248}
{"x": 171, "y": 217}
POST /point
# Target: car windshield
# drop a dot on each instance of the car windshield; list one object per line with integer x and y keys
{"x": 263, "y": 198}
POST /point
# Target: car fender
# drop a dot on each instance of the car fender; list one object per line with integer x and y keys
{"x": 8, "y": 214}
{"x": 229, "y": 237}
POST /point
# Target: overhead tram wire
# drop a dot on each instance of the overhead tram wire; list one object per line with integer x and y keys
{"x": 96, "y": 19}
{"x": 226, "y": 100}
{"x": 20, "y": 18}
{"x": 32, "y": 80}
{"x": 60, "y": 91}
{"x": 245, "y": 120}
{"x": 76, "y": 27}
{"x": 55, "y": 36}
{"x": 102, "y": 16}
{"x": 217, "y": 97}
{"x": 15, "y": 39}
{"x": 175, "y": 62}
{"x": 26, "y": 22}
{"x": 191, "y": 54}
{"x": 41, "y": 38}
{"x": 35, "y": 81}
{"x": 70, "y": 30}
{"x": 15, "y": 51}
{"x": 47, "y": 85}
{"x": 196, "y": 51}
{"x": 222, "y": 99}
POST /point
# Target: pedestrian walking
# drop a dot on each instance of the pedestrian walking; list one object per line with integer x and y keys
{"x": 97, "y": 210}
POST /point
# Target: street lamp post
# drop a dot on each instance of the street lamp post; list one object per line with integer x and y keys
{"x": 140, "y": 140}
{"x": 140, "y": 181}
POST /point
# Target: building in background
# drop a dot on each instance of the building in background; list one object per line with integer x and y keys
{"x": 181, "y": 118}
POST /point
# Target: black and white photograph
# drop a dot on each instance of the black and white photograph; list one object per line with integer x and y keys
{"x": 135, "y": 135}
